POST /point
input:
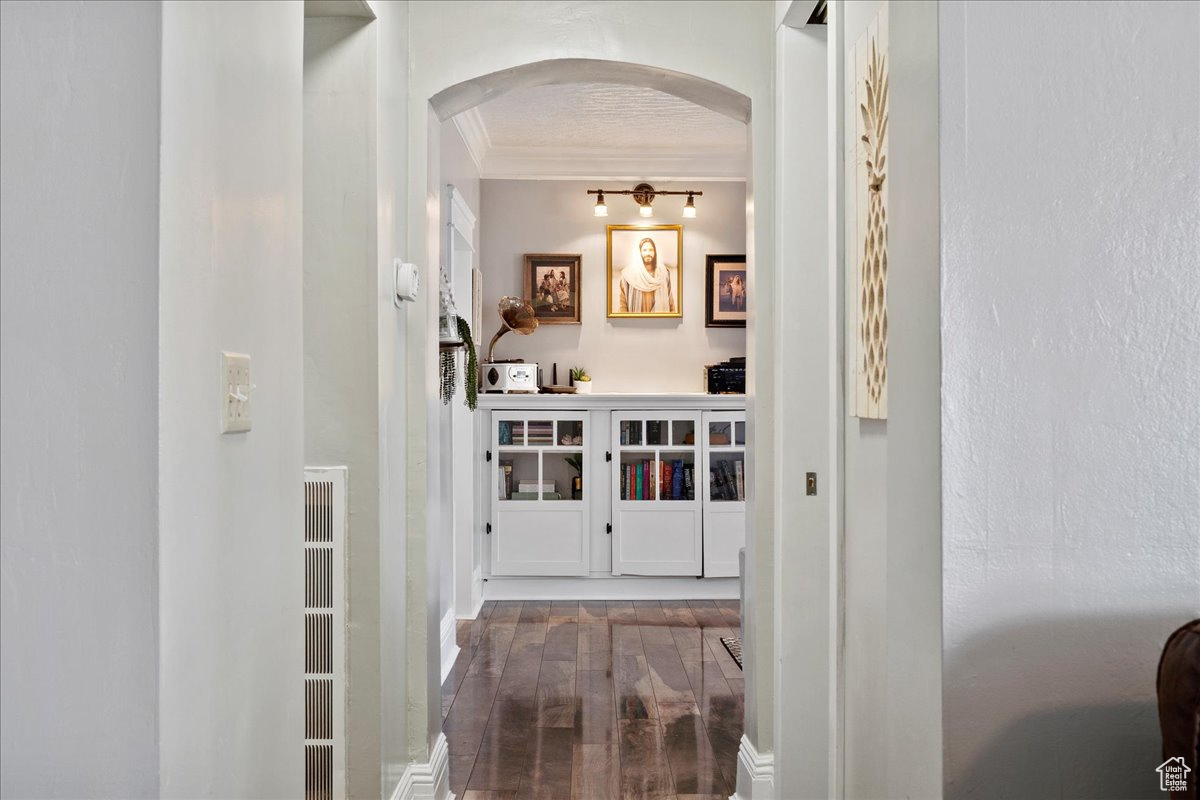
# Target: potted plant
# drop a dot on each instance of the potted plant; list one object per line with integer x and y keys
{"x": 582, "y": 381}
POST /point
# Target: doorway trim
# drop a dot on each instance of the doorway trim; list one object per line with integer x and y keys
{"x": 466, "y": 56}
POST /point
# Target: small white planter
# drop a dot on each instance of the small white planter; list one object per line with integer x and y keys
{"x": 583, "y": 387}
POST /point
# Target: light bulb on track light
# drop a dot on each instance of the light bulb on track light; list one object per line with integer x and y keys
{"x": 689, "y": 208}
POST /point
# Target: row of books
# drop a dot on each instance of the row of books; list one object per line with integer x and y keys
{"x": 656, "y": 433}
{"x": 727, "y": 480}
{"x": 658, "y": 480}
{"x": 539, "y": 433}
{"x": 507, "y": 430}
{"x": 506, "y": 479}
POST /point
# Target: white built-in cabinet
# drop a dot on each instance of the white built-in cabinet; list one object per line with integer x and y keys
{"x": 657, "y": 527}
{"x": 573, "y": 487}
{"x": 539, "y": 522}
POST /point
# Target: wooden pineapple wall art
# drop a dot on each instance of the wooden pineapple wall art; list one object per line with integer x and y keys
{"x": 869, "y": 220}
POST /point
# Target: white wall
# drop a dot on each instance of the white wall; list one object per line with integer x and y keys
{"x": 341, "y": 380}
{"x": 79, "y": 455}
{"x": 1071, "y": 245}
{"x": 230, "y": 510}
{"x": 460, "y": 171}
{"x": 395, "y": 522}
{"x": 621, "y": 355}
{"x": 807, "y": 370}
{"x": 892, "y": 564}
{"x": 865, "y": 464}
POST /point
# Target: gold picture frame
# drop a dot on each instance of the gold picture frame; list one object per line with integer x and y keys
{"x": 625, "y": 243}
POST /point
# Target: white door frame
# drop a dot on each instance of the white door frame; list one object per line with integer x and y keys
{"x": 772, "y": 343}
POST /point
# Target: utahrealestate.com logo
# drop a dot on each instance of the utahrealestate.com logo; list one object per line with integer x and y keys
{"x": 1173, "y": 775}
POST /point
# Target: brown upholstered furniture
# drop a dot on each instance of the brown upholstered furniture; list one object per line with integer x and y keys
{"x": 1179, "y": 703}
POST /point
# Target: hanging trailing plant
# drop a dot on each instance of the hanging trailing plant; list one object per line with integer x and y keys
{"x": 449, "y": 367}
{"x": 449, "y": 375}
{"x": 472, "y": 377}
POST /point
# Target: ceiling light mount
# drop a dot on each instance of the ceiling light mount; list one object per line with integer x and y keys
{"x": 643, "y": 194}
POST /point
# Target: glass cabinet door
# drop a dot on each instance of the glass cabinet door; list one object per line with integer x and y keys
{"x": 539, "y": 457}
{"x": 656, "y": 457}
{"x": 726, "y": 458}
{"x": 541, "y": 516}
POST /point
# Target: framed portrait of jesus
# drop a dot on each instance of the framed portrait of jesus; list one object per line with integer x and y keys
{"x": 644, "y": 274}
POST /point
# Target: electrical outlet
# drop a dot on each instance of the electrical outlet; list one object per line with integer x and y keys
{"x": 235, "y": 392}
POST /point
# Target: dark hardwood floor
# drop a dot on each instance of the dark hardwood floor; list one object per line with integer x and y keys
{"x": 595, "y": 700}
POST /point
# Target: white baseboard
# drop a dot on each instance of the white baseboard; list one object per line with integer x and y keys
{"x": 755, "y": 774}
{"x": 474, "y": 611}
{"x": 611, "y": 587}
{"x": 449, "y": 644}
{"x": 427, "y": 781}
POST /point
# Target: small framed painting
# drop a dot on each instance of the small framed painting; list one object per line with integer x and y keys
{"x": 725, "y": 295}
{"x": 644, "y": 278}
{"x": 553, "y": 288}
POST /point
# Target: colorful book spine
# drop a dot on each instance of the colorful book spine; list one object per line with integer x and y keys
{"x": 638, "y": 493}
{"x": 666, "y": 479}
{"x": 677, "y": 480}
{"x": 740, "y": 469}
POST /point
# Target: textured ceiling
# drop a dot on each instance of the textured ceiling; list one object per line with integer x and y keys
{"x": 604, "y": 116}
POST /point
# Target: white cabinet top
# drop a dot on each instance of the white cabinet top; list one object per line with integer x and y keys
{"x": 612, "y": 400}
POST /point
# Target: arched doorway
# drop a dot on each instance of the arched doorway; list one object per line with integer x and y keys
{"x": 464, "y": 95}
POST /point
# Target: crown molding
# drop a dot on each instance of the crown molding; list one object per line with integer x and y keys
{"x": 562, "y": 163}
{"x": 474, "y": 134}
{"x": 524, "y": 162}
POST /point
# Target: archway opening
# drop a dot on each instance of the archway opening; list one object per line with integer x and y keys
{"x": 559, "y": 624}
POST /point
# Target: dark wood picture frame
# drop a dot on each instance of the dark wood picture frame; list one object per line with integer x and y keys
{"x": 725, "y": 275}
{"x": 554, "y": 303}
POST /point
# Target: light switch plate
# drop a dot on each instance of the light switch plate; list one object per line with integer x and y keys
{"x": 235, "y": 392}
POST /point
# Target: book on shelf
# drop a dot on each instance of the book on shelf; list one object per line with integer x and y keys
{"x": 677, "y": 480}
{"x": 740, "y": 472}
{"x": 689, "y": 485}
{"x": 505, "y": 471}
{"x": 666, "y": 480}
{"x": 504, "y": 432}
{"x": 637, "y": 494}
{"x": 653, "y": 431}
{"x": 534, "y": 486}
{"x": 539, "y": 434}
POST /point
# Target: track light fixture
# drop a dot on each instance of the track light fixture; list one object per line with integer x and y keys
{"x": 643, "y": 194}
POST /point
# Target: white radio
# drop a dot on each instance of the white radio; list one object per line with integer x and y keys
{"x": 510, "y": 377}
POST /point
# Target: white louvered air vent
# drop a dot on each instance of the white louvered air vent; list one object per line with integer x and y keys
{"x": 324, "y": 633}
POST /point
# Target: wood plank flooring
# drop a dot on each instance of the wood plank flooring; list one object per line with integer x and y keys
{"x": 595, "y": 700}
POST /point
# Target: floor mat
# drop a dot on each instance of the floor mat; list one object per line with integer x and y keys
{"x": 734, "y": 645}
